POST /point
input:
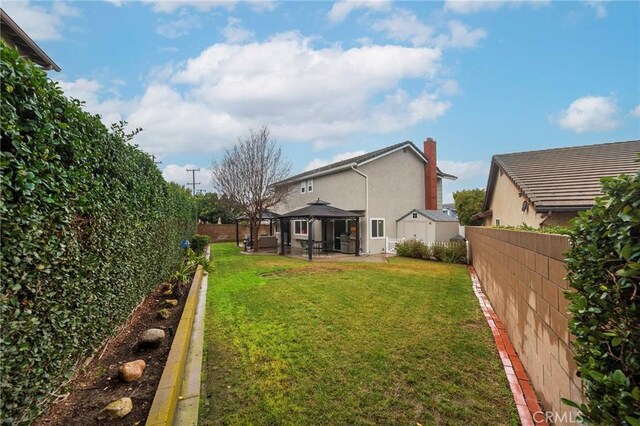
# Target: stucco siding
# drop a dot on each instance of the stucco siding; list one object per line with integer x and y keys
{"x": 446, "y": 230}
{"x": 396, "y": 186}
{"x": 507, "y": 206}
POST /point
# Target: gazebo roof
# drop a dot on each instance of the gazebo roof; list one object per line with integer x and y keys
{"x": 320, "y": 209}
{"x": 266, "y": 215}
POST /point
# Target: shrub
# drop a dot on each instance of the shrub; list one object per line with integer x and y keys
{"x": 413, "y": 248}
{"x": 454, "y": 252}
{"x": 604, "y": 271}
{"x": 89, "y": 227}
{"x": 199, "y": 243}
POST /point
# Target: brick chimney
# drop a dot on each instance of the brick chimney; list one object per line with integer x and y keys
{"x": 430, "y": 176}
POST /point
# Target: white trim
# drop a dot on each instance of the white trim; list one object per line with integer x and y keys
{"x": 366, "y": 208}
{"x": 317, "y": 174}
{"x": 408, "y": 145}
{"x": 384, "y": 224}
{"x": 294, "y": 227}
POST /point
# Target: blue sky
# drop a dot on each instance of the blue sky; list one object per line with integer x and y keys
{"x": 334, "y": 79}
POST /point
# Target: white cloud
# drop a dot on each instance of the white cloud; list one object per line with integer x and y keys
{"x": 471, "y": 174}
{"x": 305, "y": 94}
{"x": 39, "y": 22}
{"x": 474, "y": 6}
{"x": 116, "y": 3}
{"x": 260, "y": 6}
{"x": 319, "y": 162}
{"x": 90, "y": 91}
{"x": 234, "y": 33}
{"x": 598, "y": 6}
{"x": 341, "y": 9}
{"x": 178, "y": 27}
{"x": 589, "y": 114}
{"x": 636, "y": 111}
{"x": 403, "y": 25}
{"x": 170, "y": 6}
{"x": 179, "y": 174}
{"x": 462, "y": 36}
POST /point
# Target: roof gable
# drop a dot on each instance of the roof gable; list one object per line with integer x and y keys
{"x": 564, "y": 178}
{"x": 434, "y": 215}
{"x": 360, "y": 160}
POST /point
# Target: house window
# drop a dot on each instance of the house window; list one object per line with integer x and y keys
{"x": 415, "y": 215}
{"x": 306, "y": 186}
{"x": 377, "y": 228}
{"x": 497, "y": 222}
{"x": 300, "y": 227}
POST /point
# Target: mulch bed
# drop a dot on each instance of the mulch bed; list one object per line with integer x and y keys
{"x": 98, "y": 384}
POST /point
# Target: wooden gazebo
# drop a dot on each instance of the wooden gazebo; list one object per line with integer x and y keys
{"x": 266, "y": 216}
{"x": 319, "y": 210}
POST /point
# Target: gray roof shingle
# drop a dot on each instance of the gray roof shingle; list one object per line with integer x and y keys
{"x": 434, "y": 215}
{"x": 564, "y": 178}
{"x": 358, "y": 160}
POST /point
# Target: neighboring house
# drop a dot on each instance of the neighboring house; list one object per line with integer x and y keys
{"x": 427, "y": 225}
{"x": 381, "y": 186}
{"x": 548, "y": 187}
{"x": 15, "y": 37}
{"x": 450, "y": 209}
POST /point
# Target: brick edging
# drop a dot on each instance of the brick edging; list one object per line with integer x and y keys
{"x": 523, "y": 393}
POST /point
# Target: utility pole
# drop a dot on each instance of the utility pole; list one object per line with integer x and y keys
{"x": 193, "y": 180}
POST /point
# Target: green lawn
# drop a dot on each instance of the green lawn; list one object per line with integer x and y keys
{"x": 292, "y": 342}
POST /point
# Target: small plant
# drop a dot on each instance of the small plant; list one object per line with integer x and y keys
{"x": 199, "y": 243}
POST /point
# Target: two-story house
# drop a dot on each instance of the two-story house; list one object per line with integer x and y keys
{"x": 380, "y": 187}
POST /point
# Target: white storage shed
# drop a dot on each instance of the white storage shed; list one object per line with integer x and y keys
{"x": 427, "y": 225}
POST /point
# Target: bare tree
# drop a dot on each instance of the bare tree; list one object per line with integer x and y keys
{"x": 247, "y": 172}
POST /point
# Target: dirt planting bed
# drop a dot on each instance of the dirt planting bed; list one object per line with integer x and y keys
{"x": 98, "y": 384}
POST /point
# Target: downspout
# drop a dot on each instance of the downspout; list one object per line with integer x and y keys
{"x": 366, "y": 208}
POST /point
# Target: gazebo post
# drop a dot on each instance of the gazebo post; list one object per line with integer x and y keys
{"x": 237, "y": 233}
{"x": 281, "y": 237}
{"x": 271, "y": 227}
{"x": 357, "y": 236}
{"x": 310, "y": 239}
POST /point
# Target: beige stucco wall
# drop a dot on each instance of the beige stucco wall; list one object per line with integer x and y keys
{"x": 506, "y": 206}
{"x": 396, "y": 186}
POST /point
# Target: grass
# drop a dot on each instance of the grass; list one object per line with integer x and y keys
{"x": 292, "y": 342}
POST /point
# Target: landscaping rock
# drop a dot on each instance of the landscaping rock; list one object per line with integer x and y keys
{"x": 132, "y": 371}
{"x": 171, "y": 302}
{"x": 164, "y": 313}
{"x": 152, "y": 338}
{"x": 117, "y": 409}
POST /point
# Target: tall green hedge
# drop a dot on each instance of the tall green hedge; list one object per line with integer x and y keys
{"x": 604, "y": 265}
{"x": 89, "y": 227}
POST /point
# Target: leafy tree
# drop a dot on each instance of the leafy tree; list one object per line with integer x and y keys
{"x": 468, "y": 202}
{"x": 212, "y": 207}
{"x": 247, "y": 172}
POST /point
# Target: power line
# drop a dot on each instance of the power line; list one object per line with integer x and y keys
{"x": 193, "y": 180}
